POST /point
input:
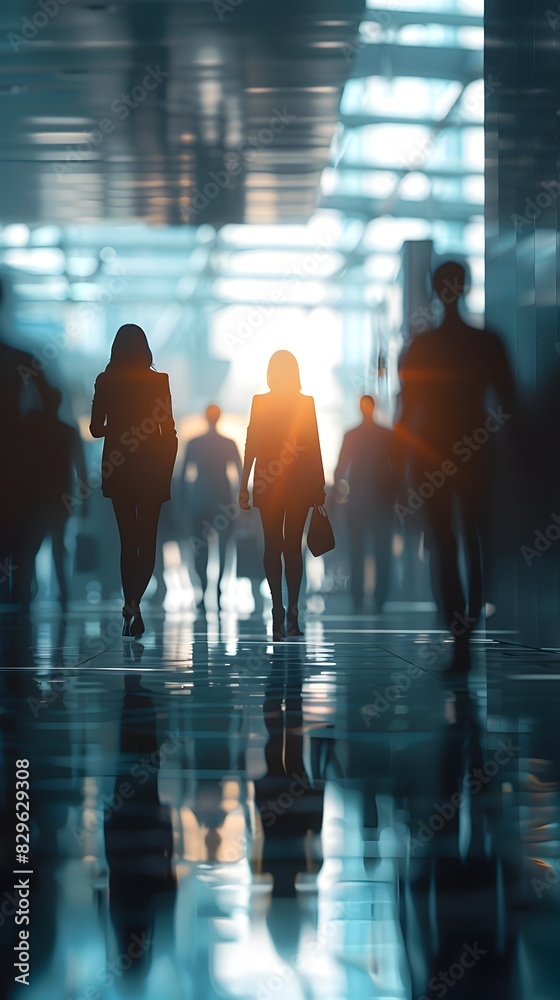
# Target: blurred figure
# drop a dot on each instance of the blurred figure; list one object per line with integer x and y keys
{"x": 249, "y": 565}
{"x": 211, "y": 499}
{"x": 365, "y": 474}
{"x": 444, "y": 429}
{"x": 289, "y": 798}
{"x": 283, "y": 442}
{"x": 132, "y": 410}
{"x": 470, "y": 855}
{"x": 139, "y": 838}
{"x": 58, "y": 452}
{"x": 22, "y": 384}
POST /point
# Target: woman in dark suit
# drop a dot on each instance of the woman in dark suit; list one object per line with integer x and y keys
{"x": 132, "y": 410}
{"x": 283, "y": 443}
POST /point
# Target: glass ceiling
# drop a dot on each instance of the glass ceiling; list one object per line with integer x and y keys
{"x": 406, "y": 163}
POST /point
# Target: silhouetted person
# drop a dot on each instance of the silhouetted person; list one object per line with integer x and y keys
{"x": 139, "y": 835}
{"x": 283, "y": 442}
{"x": 211, "y": 499}
{"x": 22, "y": 384}
{"x": 249, "y": 548}
{"x": 132, "y": 410}
{"x": 289, "y": 798}
{"x": 366, "y": 461}
{"x": 462, "y": 850}
{"x": 58, "y": 453}
{"x": 445, "y": 428}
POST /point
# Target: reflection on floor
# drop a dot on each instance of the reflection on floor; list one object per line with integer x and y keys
{"x": 213, "y": 815}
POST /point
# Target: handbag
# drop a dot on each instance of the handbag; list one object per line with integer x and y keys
{"x": 320, "y": 537}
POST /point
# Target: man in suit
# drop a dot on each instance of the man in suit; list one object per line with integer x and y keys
{"x": 365, "y": 474}
{"x": 446, "y": 430}
{"x": 211, "y": 498}
{"x": 60, "y": 457}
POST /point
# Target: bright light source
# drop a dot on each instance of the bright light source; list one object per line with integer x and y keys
{"x": 37, "y": 260}
{"x": 16, "y": 235}
{"x": 82, "y": 267}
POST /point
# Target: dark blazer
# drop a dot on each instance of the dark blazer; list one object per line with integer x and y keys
{"x": 211, "y": 453}
{"x": 283, "y": 439}
{"x": 132, "y": 410}
{"x": 367, "y": 456}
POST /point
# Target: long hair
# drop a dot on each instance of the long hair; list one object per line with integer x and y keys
{"x": 283, "y": 373}
{"x": 130, "y": 348}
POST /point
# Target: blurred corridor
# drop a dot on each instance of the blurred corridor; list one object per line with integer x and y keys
{"x": 358, "y": 198}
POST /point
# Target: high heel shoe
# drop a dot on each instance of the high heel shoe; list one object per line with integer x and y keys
{"x": 137, "y": 626}
{"x": 293, "y": 623}
{"x": 278, "y": 628}
{"x": 127, "y": 618}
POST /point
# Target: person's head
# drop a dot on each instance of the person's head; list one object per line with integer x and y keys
{"x": 212, "y": 414}
{"x": 130, "y": 348}
{"x": 367, "y": 406}
{"x": 450, "y": 280}
{"x": 52, "y": 398}
{"x": 283, "y": 373}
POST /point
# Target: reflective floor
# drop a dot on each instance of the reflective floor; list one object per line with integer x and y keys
{"x": 332, "y": 817}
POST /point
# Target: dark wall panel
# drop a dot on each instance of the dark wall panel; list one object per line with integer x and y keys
{"x": 522, "y": 72}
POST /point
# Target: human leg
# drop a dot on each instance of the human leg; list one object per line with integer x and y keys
{"x": 201, "y": 553}
{"x": 126, "y": 515}
{"x": 272, "y": 521}
{"x": 294, "y": 524}
{"x": 356, "y": 541}
{"x": 59, "y": 557}
{"x": 444, "y": 549}
{"x": 473, "y": 550}
{"x": 224, "y": 536}
{"x": 148, "y": 519}
{"x": 382, "y": 524}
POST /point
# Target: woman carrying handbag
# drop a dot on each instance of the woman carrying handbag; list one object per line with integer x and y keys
{"x": 283, "y": 445}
